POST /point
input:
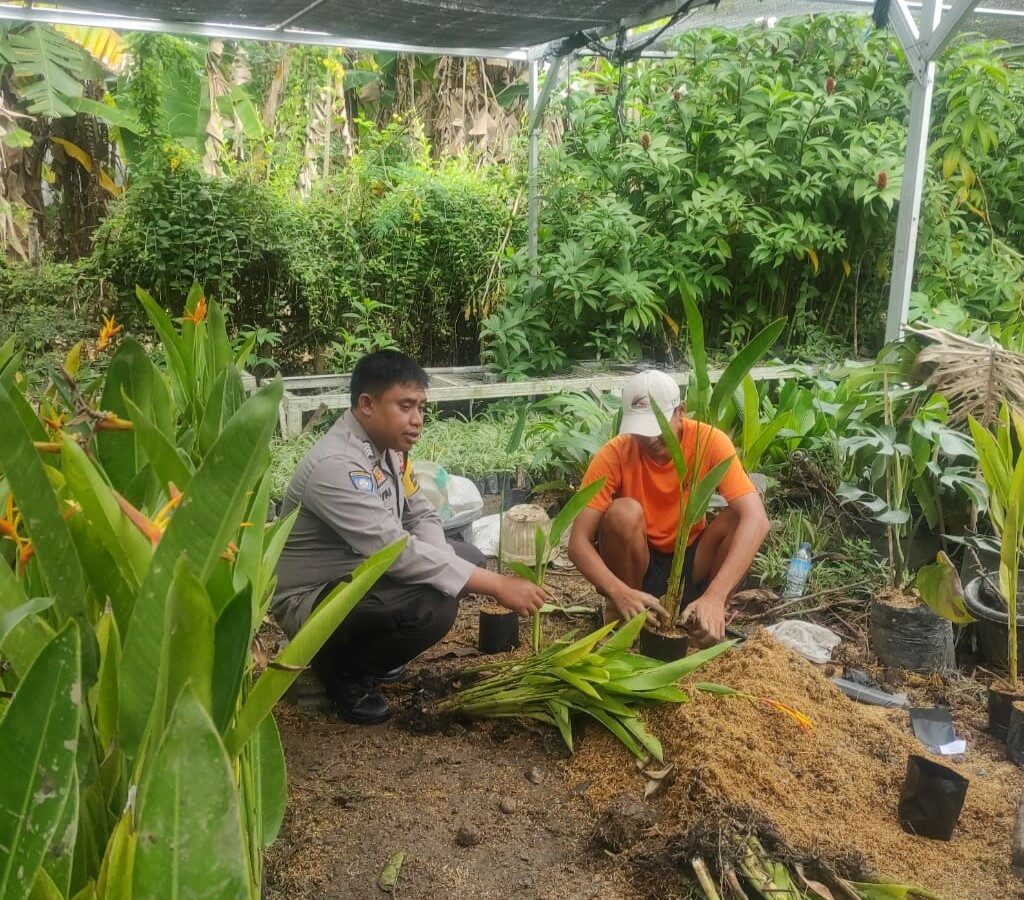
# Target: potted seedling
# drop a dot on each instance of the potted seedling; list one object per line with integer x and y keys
{"x": 695, "y": 492}
{"x": 546, "y": 542}
{"x": 498, "y": 628}
{"x": 905, "y": 632}
{"x": 1001, "y": 457}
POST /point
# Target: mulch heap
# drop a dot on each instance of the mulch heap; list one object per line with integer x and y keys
{"x": 826, "y": 797}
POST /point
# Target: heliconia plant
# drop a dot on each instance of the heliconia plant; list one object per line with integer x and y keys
{"x": 139, "y": 754}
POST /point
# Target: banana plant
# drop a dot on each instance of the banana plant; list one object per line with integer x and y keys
{"x": 601, "y": 680}
{"x": 136, "y": 564}
{"x": 546, "y": 543}
{"x": 1001, "y": 457}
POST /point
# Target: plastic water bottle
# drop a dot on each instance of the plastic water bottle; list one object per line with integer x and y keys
{"x": 799, "y": 572}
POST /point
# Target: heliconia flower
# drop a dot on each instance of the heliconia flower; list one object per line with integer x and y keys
{"x": 199, "y": 313}
{"x": 830, "y": 85}
{"x": 802, "y": 720}
{"x": 882, "y": 180}
{"x": 645, "y": 140}
{"x": 110, "y": 422}
{"x": 107, "y": 332}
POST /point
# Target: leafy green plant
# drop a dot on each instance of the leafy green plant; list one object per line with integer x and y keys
{"x": 362, "y": 332}
{"x": 547, "y": 542}
{"x": 1001, "y": 457}
{"x": 133, "y": 682}
{"x": 695, "y": 492}
{"x": 601, "y": 680}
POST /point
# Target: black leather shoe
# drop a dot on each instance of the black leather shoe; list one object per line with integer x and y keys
{"x": 392, "y": 677}
{"x": 357, "y": 699}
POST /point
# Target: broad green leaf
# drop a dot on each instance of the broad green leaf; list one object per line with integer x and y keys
{"x": 273, "y": 783}
{"x": 104, "y": 695}
{"x": 232, "y": 637}
{"x": 190, "y": 838}
{"x": 867, "y": 890}
{"x": 672, "y": 445}
{"x": 671, "y": 672}
{"x": 581, "y": 648}
{"x": 128, "y": 548}
{"x": 249, "y": 562}
{"x": 163, "y": 456}
{"x": 581, "y": 684}
{"x": 115, "y": 878}
{"x": 522, "y": 570}
{"x": 698, "y": 355}
{"x": 181, "y": 371}
{"x": 206, "y": 519}
{"x": 224, "y": 400}
{"x": 651, "y": 744}
{"x": 560, "y": 716}
{"x": 44, "y": 888}
{"x": 616, "y": 728}
{"x": 191, "y": 638}
{"x": 38, "y": 742}
{"x": 700, "y": 495}
{"x": 940, "y": 588}
{"x": 573, "y": 508}
{"x": 60, "y": 853}
{"x": 54, "y": 550}
{"x": 626, "y": 636}
{"x": 327, "y": 616}
{"x": 131, "y": 375}
{"x": 11, "y": 620}
{"x": 101, "y": 572}
{"x": 739, "y": 366}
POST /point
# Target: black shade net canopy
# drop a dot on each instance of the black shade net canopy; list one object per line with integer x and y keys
{"x": 520, "y": 29}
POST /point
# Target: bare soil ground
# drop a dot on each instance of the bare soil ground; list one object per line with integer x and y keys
{"x": 501, "y": 810}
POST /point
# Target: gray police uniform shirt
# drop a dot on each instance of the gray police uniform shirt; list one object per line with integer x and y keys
{"x": 354, "y": 501}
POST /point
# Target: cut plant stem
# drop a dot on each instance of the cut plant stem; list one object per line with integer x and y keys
{"x": 700, "y": 869}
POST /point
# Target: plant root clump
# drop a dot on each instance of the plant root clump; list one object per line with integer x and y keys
{"x": 826, "y": 797}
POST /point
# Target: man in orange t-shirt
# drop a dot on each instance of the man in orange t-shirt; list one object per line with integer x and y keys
{"x": 623, "y": 541}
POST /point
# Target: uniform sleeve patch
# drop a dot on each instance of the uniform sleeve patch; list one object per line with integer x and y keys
{"x": 362, "y": 481}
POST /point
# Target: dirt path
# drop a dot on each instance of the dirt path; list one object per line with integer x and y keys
{"x": 480, "y": 812}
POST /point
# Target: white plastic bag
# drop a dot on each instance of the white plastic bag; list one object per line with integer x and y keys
{"x": 814, "y": 642}
{"x": 484, "y": 534}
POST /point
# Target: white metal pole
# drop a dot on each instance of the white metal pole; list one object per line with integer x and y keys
{"x": 531, "y": 186}
{"x": 915, "y": 164}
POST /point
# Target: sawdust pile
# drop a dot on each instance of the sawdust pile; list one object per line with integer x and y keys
{"x": 828, "y": 795}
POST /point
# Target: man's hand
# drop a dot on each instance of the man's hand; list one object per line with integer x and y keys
{"x": 631, "y": 602}
{"x": 520, "y": 595}
{"x": 706, "y": 619}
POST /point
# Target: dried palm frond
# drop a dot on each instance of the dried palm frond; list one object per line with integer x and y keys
{"x": 976, "y": 378}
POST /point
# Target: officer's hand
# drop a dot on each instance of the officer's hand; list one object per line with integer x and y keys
{"x": 631, "y": 602}
{"x": 520, "y": 595}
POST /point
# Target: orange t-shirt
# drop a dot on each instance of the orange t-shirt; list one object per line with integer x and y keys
{"x": 631, "y": 473}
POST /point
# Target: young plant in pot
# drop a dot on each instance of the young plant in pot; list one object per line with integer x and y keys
{"x": 1001, "y": 457}
{"x": 905, "y": 632}
{"x": 546, "y": 543}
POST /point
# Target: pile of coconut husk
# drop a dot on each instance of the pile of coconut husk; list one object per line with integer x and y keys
{"x": 824, "y": 798}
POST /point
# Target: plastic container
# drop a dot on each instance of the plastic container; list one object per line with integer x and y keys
{"x": 518, "y": 533}
{"x": 798, "y": 574}
{"x": 663, "y": 647}
{"x": 1015, "y": 734}
{"x": 986, "y": 603}
{"x": 931, "y": 799}
{"x": 911, "y": 637}
{"x": 499, "y": 631}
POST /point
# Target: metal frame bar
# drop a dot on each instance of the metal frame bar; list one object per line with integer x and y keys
{"x": 532, "y": 199}
{"x": 937, "y": 29}
{"x": 907, "y": 33}
{"x": 946, "y": 29}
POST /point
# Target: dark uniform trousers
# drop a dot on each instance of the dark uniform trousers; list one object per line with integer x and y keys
{"x": 392, "y": 625}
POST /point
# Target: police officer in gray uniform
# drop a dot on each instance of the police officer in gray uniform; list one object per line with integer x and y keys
{"x": 356, "y": 494}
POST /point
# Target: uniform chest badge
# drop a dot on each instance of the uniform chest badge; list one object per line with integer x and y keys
{"x": 362, "y": 481}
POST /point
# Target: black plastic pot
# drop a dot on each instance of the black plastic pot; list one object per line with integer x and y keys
{"x": 1015, "y": 734}
{"x": 1000, "y": 706}
{"x": 912, "y": 638}
{"x": 931, "y": 799}
{"x": 988, "y": 606}
{"x": 665, "y": 647}
{"x": 499, "y": 631}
